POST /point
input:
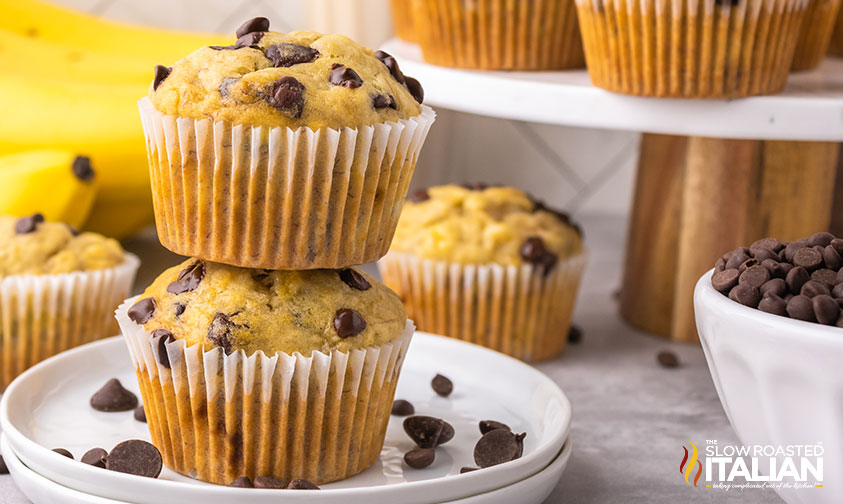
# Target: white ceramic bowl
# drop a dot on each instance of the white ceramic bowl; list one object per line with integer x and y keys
{"x": 780, "y": 381}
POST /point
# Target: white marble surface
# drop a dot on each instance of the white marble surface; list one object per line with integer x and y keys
{"x": 631, "y": 417}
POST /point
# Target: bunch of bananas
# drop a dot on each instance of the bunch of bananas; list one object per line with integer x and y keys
{"x": 70, "y": 83}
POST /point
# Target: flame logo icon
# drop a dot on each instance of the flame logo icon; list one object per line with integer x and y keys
{"x": 687, "y": 466}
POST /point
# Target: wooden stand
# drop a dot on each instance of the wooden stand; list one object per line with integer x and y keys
{"x": 696, "y": 198}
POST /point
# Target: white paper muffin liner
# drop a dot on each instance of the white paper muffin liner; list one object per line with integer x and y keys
{"x": 278, "y": 198}
{"x": 217, "y": 417}
{"x": 516, "y": 310}
{"x": 42, "y": 315}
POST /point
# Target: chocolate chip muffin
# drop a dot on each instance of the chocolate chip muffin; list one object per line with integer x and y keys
{"x": 256, "y": 373}
{"x": 490, "y": 265}
{"x": 59, "y": 289}
{"x": 282, "y": 151}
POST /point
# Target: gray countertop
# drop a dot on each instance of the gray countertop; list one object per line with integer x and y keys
{"x": 631, "y": 417}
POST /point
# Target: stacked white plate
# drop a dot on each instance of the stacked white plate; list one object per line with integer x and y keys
{"x": 48, "y": 407}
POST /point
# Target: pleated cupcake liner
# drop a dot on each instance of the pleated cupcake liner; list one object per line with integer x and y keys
{"x": 815, "y": 34}
{"x": 402, "y": 18}
{"x": 516, "y": 310}
{"x": 216, "y": 417}
{"x": 499, "y": 34}
{"x": 43, "y": 315}
{"x": 694, "y": 49}
{"x": 278, "y": 198}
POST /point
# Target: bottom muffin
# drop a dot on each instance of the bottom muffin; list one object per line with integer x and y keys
{"x": 243, "y": 372}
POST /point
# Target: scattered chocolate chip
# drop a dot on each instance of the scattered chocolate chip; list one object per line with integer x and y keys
{"x": 792, "y": 247}
{"x": 26, "y": 225}
{"x": 820, "y": 239}
{"x": 796, "y": 278}
{"x": 725, "y": 280}
{"x": 773, "y": 303}
{"x": 63, "y": 452}
{"x": 574, "y": 334}
{"x": 142, "y": 310}
{"x": 826, "y": 309}
{"x": 178, "y": 309}
{"x": 114, "y": 397}
{"x": 161, "y": 73}
{"x": 3, "y": 468}
{"x": 813, "y": 288}
{"x": 267, "y": 481}
{"x": 747, "y": 264}
{"x": 287, "y": 95}
{"x": 766, "y": 244}
{"x": 188, "y": 279}
{"x": 497, "y": 447}
{"x": 415, "y": 89}
{"x": 343, "y": 76}
{"x": 135, "y": 457}
{"x": 832, "y": 257}
{"x": 286, "y": 55}
{"x": 736, "y": 258}
{"x": 746, "y": 295}
{"x": 257, "y": 24}
{"x": 419, "y": 458}
{"x": 354, "y": 279}
{"x": 464, "y": 470}
{"x": 219, "y": 332}
{"x": 667, "y": 359}
{"x": 82, "y": 168}
{"x": 95, "y": 457}
{"x": 490, "y": 425}
{"x": 391, "y": 65}
{"x": 382, "y": 101}
{"x": 800, "y": 307}
{"x": 140, "y": 414}
{"x": 428, "y": 432}
{"x": 808, "y": 258}
{"x": 348, "y": 323}
{"x": 825, "y": 276}
{"x": 302, "y": 484}
{"x": 754, "y": 276}
{"x": 419, "y": 196}
{"x": 775, "y": 286}
{"x": 401, "y": 407}
{"x": 442, "y": 385}
{"x": 775, "y": 268}
{"x": 242, "y": 482}
{"x": 225, "y": 86}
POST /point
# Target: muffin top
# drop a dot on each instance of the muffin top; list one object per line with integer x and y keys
{"x": 292, "y": 79}
{"x": 235, "y": 308}
{"x": 481, "y": 225}
{"x": 28, "y": 245}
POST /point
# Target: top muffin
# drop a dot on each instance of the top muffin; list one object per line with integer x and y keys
{"x": 481, "y": 225}
{"x": 234, "y": 308}
{"x": 287, "y": 79}
{"x": 30, "y": 246}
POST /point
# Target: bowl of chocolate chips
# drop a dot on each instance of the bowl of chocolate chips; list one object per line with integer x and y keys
{"x": 770, "y": 320}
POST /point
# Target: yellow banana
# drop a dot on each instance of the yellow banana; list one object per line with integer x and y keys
{"x": 45, "y": 21}
{"x": 119, "y": 217}
{"x": 59, "y": 184}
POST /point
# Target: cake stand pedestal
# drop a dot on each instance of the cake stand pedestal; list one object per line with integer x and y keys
{"x": 713, "y": 174}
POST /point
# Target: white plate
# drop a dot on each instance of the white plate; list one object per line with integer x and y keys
{"x": 40, "y": 490}
{"x": 47, "y": 407}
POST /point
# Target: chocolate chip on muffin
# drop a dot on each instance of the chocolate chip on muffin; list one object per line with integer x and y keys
{"x": 286, "y": 55}
{"x": 343, "y": 76}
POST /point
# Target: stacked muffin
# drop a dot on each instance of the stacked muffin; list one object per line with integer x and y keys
{"x": 277, "y": 163}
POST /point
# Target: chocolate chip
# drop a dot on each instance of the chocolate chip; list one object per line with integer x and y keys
{"x": 765, "y": 244}
{"x": 832, "y": 258}
{"x": 747, "y": 264}
{"x": 114, "y": 397}
{"x": 267, "y": 481}
{"x": 343, "y": 76}
{"x": 774, "y": 267}
{"x": 188, "y": 279}
{"x": 225, "y": 86}
{"x": 736, "y": 259}
{"x": 826, "y": 309}
{"x": 813, "y": 288}
{"x": 161, "y": 73}
{"x": 257, "y": 24}
{"x": 135, "y": 457}
{"x": 791, "y": 248}
{"x": 820, "y": 239}
{"x": 796, "y": 278}
{"x": 401, "y": 407}
{"x": 419, "y": 196}
{"x": 63, "y": 452}
{"x": 773, "y": 303}
{"x": 837, "y": 243}
{"x": 3, "y": 468}
{"x": 178, "y": 309}
{"x": 490, "y": 425}
{"x": 242, "y": 482}
{"x": 723, "y": 281}
{"x": 775, "y": 286}
{"x": 142, "y": 310}
{"x": 667, "y": 359}
{"x": 754, "y": 276}
{"x": 354, "y": 279}
{"x": 442, "y": 385}
{"x": 348, "y": 323}
{"x": 837, "y": 291}
{"x": 384, "y": 101}
{"x": 720, "y": 264}
{"x": 428, "y": 432}
{"x": 286, "y": 55}
{"x": 825, "y": 276}
{"x": 82, "y": 168}
{"x": 391, "y": 65}
{"x": 95, "y": 457}
{"x": 534, "y": 251}
{"x": 164, "y": 336}
{"x": 764, "y": 254}
{"x": 302, "y": 484}
{"x": 415, "y": 89}
{"x": 287, "y": 95}
{"x": 497, "y": 447}
{"x": 574, "y": 334}
{"x": 219, "y": 332}
{"x": 73, "y": 230}
{"x": 746, "y": 295}
{"x": 140, "y": 414}
{"x": 26, "y": 225}
{"x": 800, "y": 307}
{"x": 808, "y": 258}
{"x": 419, "y": 458}
{"x": 464, "y": 470}
{"x": 249, "y": 40}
